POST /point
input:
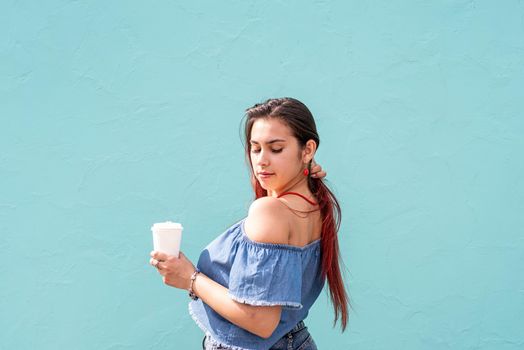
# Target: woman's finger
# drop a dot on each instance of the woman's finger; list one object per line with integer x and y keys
{"x": 316, "y": 168}
{"x": 159, "y": 255}
{"x": 319, "y": 175}
{"x": 155, "y": 263}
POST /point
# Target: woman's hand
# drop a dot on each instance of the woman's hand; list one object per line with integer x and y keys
{"x": 176, "y": 272}
{"x": 316, "y": 171}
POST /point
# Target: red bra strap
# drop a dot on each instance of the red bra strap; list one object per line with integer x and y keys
{"x": 297, "y": 194}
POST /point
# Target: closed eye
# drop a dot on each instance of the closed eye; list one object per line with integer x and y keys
{"x": 273, "y": 150}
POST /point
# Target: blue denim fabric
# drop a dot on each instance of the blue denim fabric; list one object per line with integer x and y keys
{"x": 296, "y": 339}
{"x": 258, "y": 274}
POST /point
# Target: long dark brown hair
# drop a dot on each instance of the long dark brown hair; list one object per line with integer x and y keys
{"x": 300, "y": 120}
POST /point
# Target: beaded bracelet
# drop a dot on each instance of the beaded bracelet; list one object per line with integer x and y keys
{"x": 192, "y": 295}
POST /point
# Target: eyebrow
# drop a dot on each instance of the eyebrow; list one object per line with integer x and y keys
{"x": 269, "y": 142}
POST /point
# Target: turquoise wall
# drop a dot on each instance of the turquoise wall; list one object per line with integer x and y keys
{"x": 115, "y": 115}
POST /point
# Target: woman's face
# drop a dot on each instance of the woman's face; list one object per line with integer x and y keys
{"x": 275, "y": 154}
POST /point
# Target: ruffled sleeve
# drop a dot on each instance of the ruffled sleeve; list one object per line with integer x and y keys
{"x": 266, "y": 274}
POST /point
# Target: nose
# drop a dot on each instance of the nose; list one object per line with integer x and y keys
{"x": 262, "y": 159}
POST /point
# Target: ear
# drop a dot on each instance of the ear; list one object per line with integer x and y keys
{"x": 309, "y": 151}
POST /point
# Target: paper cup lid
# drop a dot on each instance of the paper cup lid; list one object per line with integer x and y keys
{"x": 168, "y": 225}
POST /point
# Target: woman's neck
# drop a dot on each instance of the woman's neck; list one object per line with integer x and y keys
{"x": 300, "y": 187}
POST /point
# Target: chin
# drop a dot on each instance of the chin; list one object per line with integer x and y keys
{"x": 265, "y": 185}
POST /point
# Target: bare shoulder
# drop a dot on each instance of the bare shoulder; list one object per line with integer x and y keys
{"x": 267, "y": 221}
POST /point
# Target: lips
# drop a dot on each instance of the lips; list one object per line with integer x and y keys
{"x": 264, "y": 175}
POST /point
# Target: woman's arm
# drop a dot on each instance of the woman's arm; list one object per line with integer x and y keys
{"x": 260, "y": 320}
{"x": 265, "y": 223}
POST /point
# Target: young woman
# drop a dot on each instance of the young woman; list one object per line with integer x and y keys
{"x": 255, "y": 283}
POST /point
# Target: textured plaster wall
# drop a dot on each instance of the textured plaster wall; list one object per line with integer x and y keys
{"x": 115, "y": 115}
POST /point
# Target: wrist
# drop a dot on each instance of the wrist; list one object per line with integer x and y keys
{"x": 192, "y": 279}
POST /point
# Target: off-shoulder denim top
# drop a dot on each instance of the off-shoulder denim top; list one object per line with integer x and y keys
{"x": 258, "y": 274}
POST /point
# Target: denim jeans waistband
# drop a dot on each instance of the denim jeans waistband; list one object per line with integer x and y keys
{"x": 298, "y": 327}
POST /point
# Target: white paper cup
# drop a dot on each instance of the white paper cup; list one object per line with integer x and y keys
{"x": 166, "y": 237}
